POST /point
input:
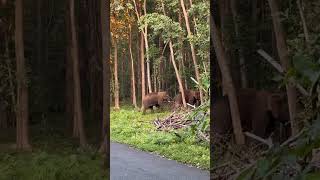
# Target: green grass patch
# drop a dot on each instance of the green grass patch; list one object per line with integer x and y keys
{"x": 131, "y": 127}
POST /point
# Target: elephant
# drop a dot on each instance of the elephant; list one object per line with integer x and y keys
{"x": 259, "y": 111}
{"x": 154, "y": 99}
{"x": 192, "y": 97}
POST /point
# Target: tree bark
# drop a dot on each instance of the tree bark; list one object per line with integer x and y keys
{"x": 68, "y": 75}
{"x": 116, "y": 80}
{"x": 147, "y": 49}
{"x": 231, "y": 92}
{"x": 177, "y": 75}
{"x": 77, "y": 116}
{"x": 22, "y": 87}
{"x": 175, "y": 67}
{"x": 133, "y": 79}
{"x": 105, "y": 34}
{"x": 145, "y": 38}
{"x": 285, "y": 62}
{"x": 193, "y": 52}
{"x": 304, "y": 24}
{"x": 143, "y": 77}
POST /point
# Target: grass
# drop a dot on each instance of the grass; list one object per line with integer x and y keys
{"x": 54, "y": 157}
{"x": 131, "y": 127}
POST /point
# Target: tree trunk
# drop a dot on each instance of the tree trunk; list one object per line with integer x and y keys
{"x": 304, "y": 24}
{"x": 226, "y": 40}
{"x": 161, "y": 66}
{"x": 225, "y": 71}
{"x": 175, "y": 67}
{"x": 143, "y": 78}
{"x": 193, "y": 52}
{"x": 244, "y": 80}
{"x": 116, "y": 81}
{"x": 147, "y": 49}
{"x": 133, "y": 79}
{"x": 77, "y": 116}
{"x": 22, "y": 87}
{"x": 105, "y": 34}
{"x": 68, "y": 75}
{"x": 144, "y": 33}
{"x": 177, "y": 75}
{"x": 285, "y": 62}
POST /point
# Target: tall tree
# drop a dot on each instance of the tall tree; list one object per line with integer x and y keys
{"x": 193, "y": 51}
{"x": 145, "y": 37}
{"x": 133, "y": 79}
{"x": 68, "y": 74}
{"x": 78, "y": 129}
{"x": 116, "y": 80}
{"x": 143, "y": 76}
{"x": 181, "y": 88}
{"x": 304, "y": 23}
{"x": 22, "y": 87}
{"x": 226, "y": 74}
{"x": 105, "y": 30}
{"x": 285, "y": 62}
{"x": 147, "y": 49}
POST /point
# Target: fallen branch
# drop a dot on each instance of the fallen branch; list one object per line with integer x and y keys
{"x": 278, "y": 67}
{"x": 293, "y": 138}
{"x": 267, "y": 142}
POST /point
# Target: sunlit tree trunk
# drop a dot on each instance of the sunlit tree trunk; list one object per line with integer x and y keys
{"x": 77, "y": 117}
{"x": 178, "y": 76}
{"x": 145, "y": 33}
{"x": 193, "y": 52}
{"x": 116, "y": 80}
{"x": 145, "y": 38}
{"x": 143, "y": 77}
{"x": 22, "y": 87}
{"x": 133, "y": 79}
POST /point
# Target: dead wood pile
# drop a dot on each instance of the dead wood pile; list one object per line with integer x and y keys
{"x": 175, "y": 120}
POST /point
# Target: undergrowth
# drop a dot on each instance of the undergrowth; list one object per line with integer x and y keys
{"x": 131, "y": 127}
{"x": 54, "y": 157}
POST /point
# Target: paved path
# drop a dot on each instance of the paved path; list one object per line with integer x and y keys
{"x": 131, "y": 164}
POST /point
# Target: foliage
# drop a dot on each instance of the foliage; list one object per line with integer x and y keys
{"x": 201, "y": 38}
{"x": 162, "y": 25}
{"x": 142, "y": 134}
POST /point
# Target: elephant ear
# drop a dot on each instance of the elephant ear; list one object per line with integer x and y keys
{"x": 274, "y": 104}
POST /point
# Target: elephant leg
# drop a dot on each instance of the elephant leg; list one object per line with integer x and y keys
{"x": 260, "y": 123}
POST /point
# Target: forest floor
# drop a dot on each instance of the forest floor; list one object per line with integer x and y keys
{"x": 130, "y": 127}
{"x": 54, "y": 157}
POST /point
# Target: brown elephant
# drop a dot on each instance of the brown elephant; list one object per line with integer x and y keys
{"x": 192, "y": 97}
{"x": 259, "y": 112}
{"x": 154, "y": 99}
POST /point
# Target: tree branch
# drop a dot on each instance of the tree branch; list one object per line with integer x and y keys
{"x": 278, "y": 67}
